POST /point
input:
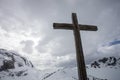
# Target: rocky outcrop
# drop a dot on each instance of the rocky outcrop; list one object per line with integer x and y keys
{"x": 106, "y": 62}
{"x": 13, "y": 64}
{"x": 95, "y": 64}
{"x": 9, "y": 59}
{"x": 7, "y": 64}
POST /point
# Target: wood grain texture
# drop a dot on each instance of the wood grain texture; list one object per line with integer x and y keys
{"x": 79, "y": 50}
{"x": 70, "y": 26}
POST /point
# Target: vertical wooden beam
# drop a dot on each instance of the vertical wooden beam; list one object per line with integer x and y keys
{"x": 82, "y": 74}
{"x": 79, "y": 51}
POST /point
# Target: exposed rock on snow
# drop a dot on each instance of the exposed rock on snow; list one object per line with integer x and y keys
{"x": 112, "y": 62}
{"x": 13, "y": 65}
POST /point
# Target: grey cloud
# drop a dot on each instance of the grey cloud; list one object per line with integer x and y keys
{"x": 42, "y": 46}
{"x": 58, "y": 46}
{"x": 105, "y": 14}
{"x": 13, "y": 18}
{"x": 43, "y": 9}
{"x": 28, "y": 46}
{"x": 70, "y": 63}
{"x": 104, "y": 50}
{"x": 100, "y": 13}
{"x": 65, "y": 46}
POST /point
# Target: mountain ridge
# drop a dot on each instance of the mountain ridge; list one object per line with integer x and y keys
{"x": 16, "y": 67}
{"x": 111, "y": 62}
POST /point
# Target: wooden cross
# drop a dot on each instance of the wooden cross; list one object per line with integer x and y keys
{"x": 79, "y": 51}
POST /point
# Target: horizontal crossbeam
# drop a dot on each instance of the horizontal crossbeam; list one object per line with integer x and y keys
{"x": 70, "y": 26}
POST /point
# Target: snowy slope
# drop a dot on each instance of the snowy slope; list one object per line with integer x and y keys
{"x": 106, "y": 68}
{"x": 67, "y": 74}
{"x": 62, "y": 74}
{"x": 15, "y": 67}
{"x": 105, "y": 73}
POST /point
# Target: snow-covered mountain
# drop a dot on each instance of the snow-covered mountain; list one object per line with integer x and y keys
{"x": 15, "y": 67}
{"x": 61, "y": 74}
{"x": 66, "y": 74}
{"x": 111, "y": 62}
{"x": 106, "y": 68}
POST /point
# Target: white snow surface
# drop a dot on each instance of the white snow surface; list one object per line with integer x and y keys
{"x": 27, "y": 72}
{"x": 105, "y": 73}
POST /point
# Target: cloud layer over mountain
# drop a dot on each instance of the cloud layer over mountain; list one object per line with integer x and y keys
{"x": 26, "y": 23}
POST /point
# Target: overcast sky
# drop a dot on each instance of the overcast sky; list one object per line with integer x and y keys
{"x": 26, "y": 26}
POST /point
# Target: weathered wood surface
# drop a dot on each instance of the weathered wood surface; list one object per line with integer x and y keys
{"x": 79, "y": 51}
{"x": 82, "y": 74}
{"x": 70, "y": 26}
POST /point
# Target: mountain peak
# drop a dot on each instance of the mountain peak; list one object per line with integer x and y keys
{"x": 106, "y": 62}
{"x": 13, "y": 64}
